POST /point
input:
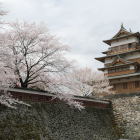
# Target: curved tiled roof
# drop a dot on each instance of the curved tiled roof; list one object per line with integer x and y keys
{"x": 102, "y": 59}
{"x": 122, "y": 33}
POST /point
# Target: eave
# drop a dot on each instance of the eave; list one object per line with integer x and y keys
{"x": 105, "y": 52}
{"x": 102, "y": 59}
{"x": 137, "y": 34}
{"x": 116, "y": 66}
{"x": 124, "y": 76}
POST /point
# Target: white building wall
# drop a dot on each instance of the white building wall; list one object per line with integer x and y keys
{"x": 108, "y": 60}
{"x": 105, "y": 71}
{"x": 132, "y": 56}
{"x": 124, "y": 41}
{"x": 132, "y": 67}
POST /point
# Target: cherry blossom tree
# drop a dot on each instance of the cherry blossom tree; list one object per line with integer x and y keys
{"x": 84, "y": 82}
{"x": 31, "y": 54}
{"x": 5, "y": 81}
{"x": 32, "y": 58}
{"x": 2, "y": 13}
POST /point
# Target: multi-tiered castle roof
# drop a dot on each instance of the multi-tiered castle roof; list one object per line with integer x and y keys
{"x": 122, "y": 60}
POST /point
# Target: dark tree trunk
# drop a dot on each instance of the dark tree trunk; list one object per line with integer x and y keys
{"x": 24, "y": 85}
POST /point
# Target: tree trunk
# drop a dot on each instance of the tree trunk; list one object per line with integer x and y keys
{"x": 24, "y": 85}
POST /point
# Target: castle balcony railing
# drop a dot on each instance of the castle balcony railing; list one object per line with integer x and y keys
{"x": 122, "y": 48}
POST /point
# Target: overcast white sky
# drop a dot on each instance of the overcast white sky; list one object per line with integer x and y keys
{"x": 81, "y": 24}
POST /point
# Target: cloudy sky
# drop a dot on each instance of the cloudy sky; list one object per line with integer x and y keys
{"x": 81, "y": 24}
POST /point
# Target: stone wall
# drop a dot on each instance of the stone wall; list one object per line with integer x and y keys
{"x": 127, "y": 111}
{"x": 56, "y": 121}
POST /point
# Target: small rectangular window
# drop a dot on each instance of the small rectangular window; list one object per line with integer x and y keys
{"x": 124, "y": 85}
{"x": 129, "y": 45}
{"x": 114, "y": 87}
{"x": 137, "y": 84}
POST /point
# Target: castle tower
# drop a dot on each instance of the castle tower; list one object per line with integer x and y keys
{"x": 122, "y": 61}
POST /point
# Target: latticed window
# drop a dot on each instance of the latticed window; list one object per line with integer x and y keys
{"x": 114, "y": 87}
{"x": 125, "y": 85}
{"x": 130, "y": 45}
{"x": 137, "y": 84}
{"x": 118, "y": 69}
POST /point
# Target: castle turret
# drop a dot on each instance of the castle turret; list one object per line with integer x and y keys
{"x": 122, "y": 61}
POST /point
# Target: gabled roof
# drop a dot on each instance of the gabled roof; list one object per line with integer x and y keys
{"x": 122, "y": 33}
{"x": 119, "y": 59}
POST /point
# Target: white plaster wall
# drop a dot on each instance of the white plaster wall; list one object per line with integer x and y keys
{"x": 127, "y": 57}
{"x": 105, "y": 71}
{"x": 132, "y": 67}
{"x": 132, "y": 56}
{"x": 124, "y": 41}
{"x": 108, "y": 60}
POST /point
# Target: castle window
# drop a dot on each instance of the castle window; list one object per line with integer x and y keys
{"x": 137, "y": 84}
{"x": 118, "y": 69}
{"x": 125, "y": 86}
{"x": 125, "y": 68}
{"x": 130, "y": 45}
{"x": 114, "y": 87}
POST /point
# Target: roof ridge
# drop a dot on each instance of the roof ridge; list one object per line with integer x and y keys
{"x": 122, "y": 30}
